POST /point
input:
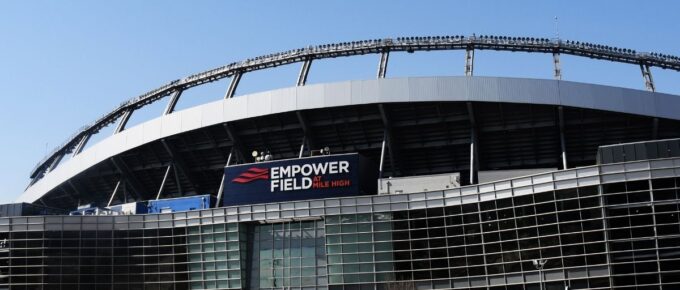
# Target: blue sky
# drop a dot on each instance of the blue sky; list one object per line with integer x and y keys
{"x": 65, "y": 63}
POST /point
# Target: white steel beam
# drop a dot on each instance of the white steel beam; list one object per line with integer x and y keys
{"x": 647, "y": 76}
{"x": 123, "y": 121}
{"x": 557, "y": 65}
{"x": 469, "y": 61}
{"x": 563, "y": 143}
{"x": 474, "y": 146}
{"x": 382, "y": 66}
{"x": 304, "y": 71}
{"x": 220, "y": 191}
{"x": 235, "y": 79}
{"x": 113, "y": 194}
{"x": 81, "y": 145}
{"x": 165, "y": 178}
{"x": 174, "y": 98}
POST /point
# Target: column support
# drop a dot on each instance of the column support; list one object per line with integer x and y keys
{"x": 123, "y": 121}
{"x": 54, "y": 163}
{"x": 306, "y": 129}
{"x": 165, "y": 178}
{"x": 236, "y": 142}
{"x": 302, "y": 146}
{"x": 220, "y": 191}
{"x": 304, "y": 71}
{"x": 174, "y": 97}
{"x": 563, "y": 143}
{"x": 382, "y": 66}
{"x": 235, "y": 79}
{"x": 113, "y": 194}
{"x": 180, "y": 165}
{"x": 128, "y": 176}
{"x": 81, "y": 144}
{"x": 647, "y": 76}
{"x": 474, "y": 146}
{"x": 469, "y": 61}
{"x": 382, "y": 155}
{"x": 396, "y": 162}
{"x": 558, "y": 66}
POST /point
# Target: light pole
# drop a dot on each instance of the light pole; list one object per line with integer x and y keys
{"x": 539, "y": 263}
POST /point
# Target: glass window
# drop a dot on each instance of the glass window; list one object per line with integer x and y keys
{"x": 298, "y": 248}
{"x": 363, "y": 218}
{"x": 544, "y": 197}
{"x": 613, "y": 187}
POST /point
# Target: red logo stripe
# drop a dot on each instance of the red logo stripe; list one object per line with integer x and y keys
{"x": 252, "y": 174}
{"x": 257, "y": 170}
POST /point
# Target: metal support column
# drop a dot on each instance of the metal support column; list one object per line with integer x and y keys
{"x": 174, "y": 97}
{"x": 165, "y": 178}
{"x": 474, "y": 146}
{"x": 123, "y": 121}
{"x": 54, "y": 163}
{"x": 382, "y": 67}
{"x": 469, "y": 60}
{"x": 647, "y": 75}
{"x": 306, "y": 129}
{"x": 563, "y": 144}
{"x": 396, "y": 162}
{"x": 558, "y": 66}
{"x": 382, "y": 156}
{"x": 220, "y": 191}
{"x": 237, "y": 145}
{"x": 235, "y": 79}
{"x": 655, "y": 128}
{"x": 33, "y": 181}
{"x": 81, "y": 145}
{"x": 302, "y": 146}
{"x": 179, "y": 184}
{"x": 304, "y": 71}
{"x": 180, "y": 165}
{"x": 113, "y": 194}
{"x": 128, "y": 176}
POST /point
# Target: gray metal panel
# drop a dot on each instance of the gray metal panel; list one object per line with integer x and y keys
{"x": 337, "y": 94}
{"x": 393, "y": 90}
{"x": 574, "y": 95}
{"x": 666, "y": 106}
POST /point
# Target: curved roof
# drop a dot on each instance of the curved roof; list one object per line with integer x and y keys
{"x": 351, "y": 93}
{"x": 384, "y": 46}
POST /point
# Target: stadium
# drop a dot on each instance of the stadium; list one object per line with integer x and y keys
{"x": 442, "y": 182}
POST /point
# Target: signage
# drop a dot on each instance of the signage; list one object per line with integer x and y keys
{"x": 297, "y": 179}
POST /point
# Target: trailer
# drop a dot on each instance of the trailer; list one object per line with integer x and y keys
{"x": 139, "y": 207}
{"x": 180, "y": 204}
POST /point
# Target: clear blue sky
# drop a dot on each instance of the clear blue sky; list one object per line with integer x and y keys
{"x": 65, "y": 63}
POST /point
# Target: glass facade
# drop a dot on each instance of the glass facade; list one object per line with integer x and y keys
{"x": 360, "y": 248}
{"x": 604, "y": 227}
{"x": 644, "y": 232}
{"x": 216, "y": 256}
{"x": 472, "y": 245}
{"x": 288, "y": 255}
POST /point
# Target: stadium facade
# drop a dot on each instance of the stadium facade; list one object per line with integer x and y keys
{"x": 484, "y": 182}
